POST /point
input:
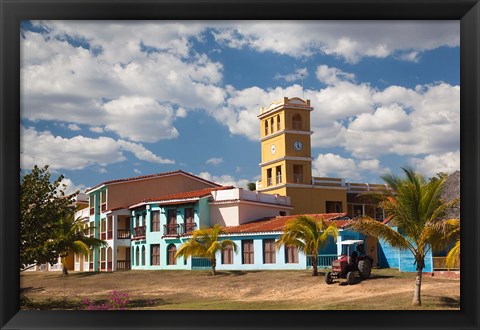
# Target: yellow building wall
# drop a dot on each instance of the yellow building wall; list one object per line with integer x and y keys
{"x": 305, "y": 114}
{"x": 306, "y": 149}
{"x": 307, "y": 171}
{"x": 275, "y": 128}
{"x": 313, "y": 200}
{"x": 273, "y": 167}
{"x": 279, "y": 142}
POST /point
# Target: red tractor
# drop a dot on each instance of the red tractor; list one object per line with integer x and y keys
{"x": 350, "y": 264}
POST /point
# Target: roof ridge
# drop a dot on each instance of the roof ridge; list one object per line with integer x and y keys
{"x": 147, "y": 176}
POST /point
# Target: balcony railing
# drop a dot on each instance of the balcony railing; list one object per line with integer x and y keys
{"x": 188, "y": 227}
{"x": 201, "y": 263}
{"x": 297, "y": 178}
{"x": 171, "y": 229}
{"x": 324, "y": 260}
{"x": 440, "y": 264}
{"x": 124, "y": 264}
{"x": 139, "y": 231}
{"x": 123, "y": 233}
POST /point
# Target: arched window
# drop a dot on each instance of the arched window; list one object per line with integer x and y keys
{"x": 103, "y": 252}
{"x": 171, "y": 251}
{"x": 137, "y": 256}
{"x": 297, "y": 121}
{"x": 143, "y": 255}
{"x": 272, "y": 124}
{"x": 278, "y": 122}
{"x": 266, "y": 127}
{"x": 109, "y": 259}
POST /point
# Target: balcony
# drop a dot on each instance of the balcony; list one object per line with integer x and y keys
{"x": 139, "y": 232}
{"x": 124, "y": 264}
{"x": 171, "y": 229}
{"x": 188, "y": 227}
{"x": 123, "y": 233}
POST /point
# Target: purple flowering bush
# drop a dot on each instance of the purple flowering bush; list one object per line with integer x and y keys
{"x": 116, "y": 301}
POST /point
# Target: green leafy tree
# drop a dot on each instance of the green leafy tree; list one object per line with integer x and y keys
{"x": 308, "y": 235}
{"x": 252, "y": 186}
{"x": 416, "y": 208}
{"x": 70, "y": 237}
{"x": 42, "y": 205}
{"x": 205, "y": 243}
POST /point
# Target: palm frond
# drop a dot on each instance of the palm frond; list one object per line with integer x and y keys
{"x": 371, "y": 227}
{"x": 453, "y": 255}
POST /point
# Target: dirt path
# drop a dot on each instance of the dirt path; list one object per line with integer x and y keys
{"x": 275, "y": 288}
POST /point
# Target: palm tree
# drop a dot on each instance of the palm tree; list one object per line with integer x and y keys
{"x": 415, "y": 207}
{"x": 308, "y": 235}
{"x": 70, "y": 237}
{"x": 205, "y": 243}
{"x": 451, "y": 231}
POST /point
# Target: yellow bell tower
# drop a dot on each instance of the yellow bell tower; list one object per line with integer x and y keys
{"x": 287, "y": 156}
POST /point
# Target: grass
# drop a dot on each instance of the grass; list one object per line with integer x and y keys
{"x": 236, "y": 290}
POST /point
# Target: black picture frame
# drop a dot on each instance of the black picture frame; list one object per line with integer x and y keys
{"x": 13, "y": 11}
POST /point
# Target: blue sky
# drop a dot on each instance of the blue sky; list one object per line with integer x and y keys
{"x": 103, "y": 100}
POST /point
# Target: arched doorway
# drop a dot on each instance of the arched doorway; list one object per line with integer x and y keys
{"x": 171, "y": 251}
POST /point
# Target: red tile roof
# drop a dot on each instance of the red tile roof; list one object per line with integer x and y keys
{"x": 143, "y": 177}
{"x": 276, "y": 224}
{"x": 179, "y": 197}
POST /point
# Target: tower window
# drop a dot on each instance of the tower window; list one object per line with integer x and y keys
{"x": 272, "y": 124}
{"x": 269, "y": 177}
{"x": 279, "y": 174}
{"x": 266, "y": 127}
{"x": 297, "y": 121}
{"x": 278, "y": 122}
{"x": 297, "y": 173}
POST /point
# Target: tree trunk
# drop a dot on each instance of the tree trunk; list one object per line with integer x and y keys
{"x": 417, "y": 301}
{"x": 315, "y": 265}
{"x": 214, "y": 264}
{"x": 64, "y": 267}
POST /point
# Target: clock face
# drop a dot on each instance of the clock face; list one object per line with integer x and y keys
{"x": 273, "y": 149}
{"x": 297, "y": 145}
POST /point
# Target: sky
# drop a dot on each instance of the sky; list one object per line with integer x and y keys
{"x": 104, "y": 100}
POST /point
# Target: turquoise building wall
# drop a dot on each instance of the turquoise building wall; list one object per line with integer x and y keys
{"x": 390, "y": 257}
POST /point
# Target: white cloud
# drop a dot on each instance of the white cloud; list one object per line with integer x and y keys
{"x": 334, "y": 165}
{"x": 328, "y": 165}
{"x": 430, "y": 165}
{"x": 181, "y": 113}
{"x": 74, "y": 127}
{"x": 331, "y": 76}
{"x": 137, "y": 171}
{"x": 109, "y": 78}
{"x": 39, "y": 148}
{"x": 225, "y": 180}
{"x": 352, "y": 40}
{"x": 388, "y": 118}
{"x": 140, "y": 119}
{"x": 71, "y": 187}
{"x": 96, "y": 129}
{"x": 408, "y": 122}
{"x": 214, "y": 161}
{"x": 297, "y": 75}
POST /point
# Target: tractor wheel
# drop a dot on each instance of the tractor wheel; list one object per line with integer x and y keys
{"x": 364, "y": 268}
{"x": 328, "y": 278}
{"x": 350, "y": 278}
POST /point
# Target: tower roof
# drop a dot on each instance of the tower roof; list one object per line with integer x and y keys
{"x": 294, "y": 102}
